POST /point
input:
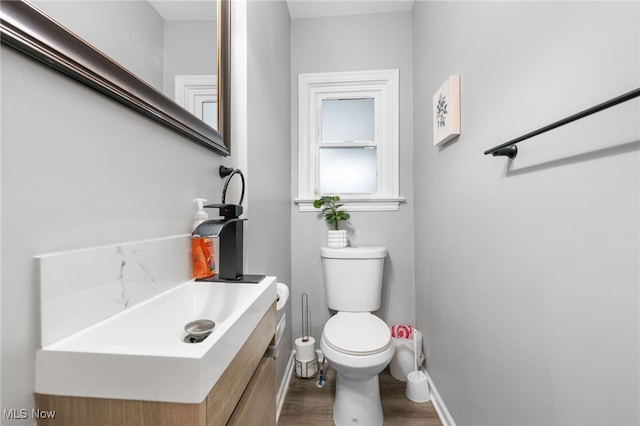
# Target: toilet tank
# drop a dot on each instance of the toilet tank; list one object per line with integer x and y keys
{"x": 353, "y": 277}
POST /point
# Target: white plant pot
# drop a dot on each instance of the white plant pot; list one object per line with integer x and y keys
{"x": 337, "y": 239}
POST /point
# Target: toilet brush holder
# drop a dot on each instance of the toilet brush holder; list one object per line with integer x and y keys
{"x": 417, "y": 387}
{"x": 417, "y": 382}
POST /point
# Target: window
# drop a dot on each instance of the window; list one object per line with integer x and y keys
{"x": 199, "y": 95}
{"x": 348, "y": 139}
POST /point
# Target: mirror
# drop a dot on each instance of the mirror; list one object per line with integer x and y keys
{"x": 30, "y": 30}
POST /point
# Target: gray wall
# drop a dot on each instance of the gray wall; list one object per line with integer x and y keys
{"x": 269, "y": 236}
{"x": 527, "y": 271}
{"x": 366, "y": 42}
{"x": 150, "y": 47}
{"x": 189, "y": 49}
{"x": 136, "y": 43}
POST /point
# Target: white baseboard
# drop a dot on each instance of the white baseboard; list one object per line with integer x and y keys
{"x": 284, "y": 385}
{"x": 438, "y": 404}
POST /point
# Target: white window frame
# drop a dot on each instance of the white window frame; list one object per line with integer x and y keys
{"x": 192, "y": 91}
{"x": 383, "y": 86}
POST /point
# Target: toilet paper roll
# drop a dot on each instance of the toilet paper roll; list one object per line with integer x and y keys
{"x": 305, "y": 351}
{"x": 283, "y": 295}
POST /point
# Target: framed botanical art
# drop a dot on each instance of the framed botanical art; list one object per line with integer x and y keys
{"x": 446, "y": 111}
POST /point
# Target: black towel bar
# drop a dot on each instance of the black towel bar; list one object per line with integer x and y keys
{"x": 510, "y": 148}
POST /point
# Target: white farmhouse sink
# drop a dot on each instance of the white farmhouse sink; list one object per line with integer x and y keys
{"x": 141, "y": 353}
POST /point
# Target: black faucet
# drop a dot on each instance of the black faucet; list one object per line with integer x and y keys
{"x": 230, "y": 231}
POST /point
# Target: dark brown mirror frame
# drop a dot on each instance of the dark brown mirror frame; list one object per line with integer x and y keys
{"x": 25, "y": 28}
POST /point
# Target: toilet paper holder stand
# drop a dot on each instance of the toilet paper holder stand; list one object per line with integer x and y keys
{"x": 306, "y": 369}
{"x": 306, "y": 359}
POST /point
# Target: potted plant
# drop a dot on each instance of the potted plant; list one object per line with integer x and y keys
{"x": 333, "y": 216}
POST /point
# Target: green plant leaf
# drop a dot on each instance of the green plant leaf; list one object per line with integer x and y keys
{"x": 330, "y": 211}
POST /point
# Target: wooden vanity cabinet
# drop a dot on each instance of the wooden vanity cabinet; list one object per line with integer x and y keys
{"x": 249, "y": 371}
{"x": 244, "y": 395}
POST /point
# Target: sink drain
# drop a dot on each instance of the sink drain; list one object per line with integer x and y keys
{"x": 191, "y": 339}
{"x": 198, "y": 330}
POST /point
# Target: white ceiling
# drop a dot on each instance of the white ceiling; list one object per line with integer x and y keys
{"x": 186, "y": 10}
{"x": 300, "y": 9}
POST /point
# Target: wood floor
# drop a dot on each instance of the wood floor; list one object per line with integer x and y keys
{"x": 308, "y": 405}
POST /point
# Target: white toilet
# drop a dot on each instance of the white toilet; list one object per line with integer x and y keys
{"x": 357, "y": 344}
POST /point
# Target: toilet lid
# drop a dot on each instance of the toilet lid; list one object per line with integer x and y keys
{"x": 357, "y": 333}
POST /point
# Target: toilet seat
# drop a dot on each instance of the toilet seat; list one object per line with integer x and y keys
{"x": 357, "y": 333}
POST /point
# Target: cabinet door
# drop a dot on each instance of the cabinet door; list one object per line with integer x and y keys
{"x": 257, "y": 407}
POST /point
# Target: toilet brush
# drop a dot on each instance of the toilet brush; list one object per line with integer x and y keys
{"x": 415, "y": 352}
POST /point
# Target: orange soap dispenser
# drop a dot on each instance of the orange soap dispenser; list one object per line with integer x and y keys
{"x": 204, "y": 265}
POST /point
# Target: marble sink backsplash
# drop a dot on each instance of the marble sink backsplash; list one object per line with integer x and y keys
{"x": 82, "y": 287}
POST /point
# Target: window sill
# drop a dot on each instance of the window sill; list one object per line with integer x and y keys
{"x": 356, "y": 204}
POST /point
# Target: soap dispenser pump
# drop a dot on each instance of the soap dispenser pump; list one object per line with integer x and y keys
{"x": 201, "y": 215}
